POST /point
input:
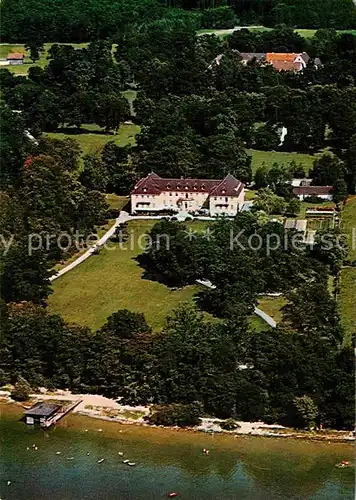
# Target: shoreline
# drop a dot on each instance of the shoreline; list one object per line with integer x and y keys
{"x": 102, "y": 408}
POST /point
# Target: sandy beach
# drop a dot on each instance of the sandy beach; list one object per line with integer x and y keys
{"x": 101, "y": 407}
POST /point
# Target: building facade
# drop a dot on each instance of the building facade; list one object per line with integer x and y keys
{"x": 323, "y": 192}
{"x": 154, "y": 194}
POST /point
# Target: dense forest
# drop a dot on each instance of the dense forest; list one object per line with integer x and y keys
{"x": 197, "y": 118}
{"x": 76, "y": 21}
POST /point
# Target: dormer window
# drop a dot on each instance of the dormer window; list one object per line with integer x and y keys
{"x": 223, "y": 191}
{"x": 178, "y": 186}
{"x": 203, "y": 186}
{"x": 186, "y": 187}
{"x": 144, "y": 190}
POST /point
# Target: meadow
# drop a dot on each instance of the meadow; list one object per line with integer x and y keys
{"x": 270, "y": 157}
{"x": 347, "y": 296}
{"x": 92, "y": 138}
{"x": 114, "y": 280}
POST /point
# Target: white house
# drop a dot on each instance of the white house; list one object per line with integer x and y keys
{"x": 218, "y": 197}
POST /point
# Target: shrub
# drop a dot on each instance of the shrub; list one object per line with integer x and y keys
{"x": 22, "y": 390}
{"x": 314, "y": 199}
{"x": 229, "y": 425}
{"x": 175, "y": 414}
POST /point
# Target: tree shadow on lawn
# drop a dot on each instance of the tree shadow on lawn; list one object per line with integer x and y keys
{"x": 152, "y": 275}
{"x": 81, "y": 131}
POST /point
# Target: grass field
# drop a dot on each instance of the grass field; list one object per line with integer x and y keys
{"x": 92, "y": 139}
{"x": 270, "y": 157}
{"x": 117, "y": 202}
{"x": 349, "y": 226}
{"x": 113, "y": 280}
{"x": 273, "y": 306}
{"x": 347, "y": 297}
{"x": 347, "y": 302}
{"x": 306, "y": 33}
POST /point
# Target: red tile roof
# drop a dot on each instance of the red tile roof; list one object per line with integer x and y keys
{"x": 281, "y": 56}
{"x": 15, "y": 55}
{"x": 312, "y": 190}
{"x": 227, "y": 187}
{"x": 286, "y": 65}
{"x": 287, "y": 61}
{"x": 154, "y": 184}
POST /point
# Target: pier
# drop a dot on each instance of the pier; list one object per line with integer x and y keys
{"x": 60, "y": 414}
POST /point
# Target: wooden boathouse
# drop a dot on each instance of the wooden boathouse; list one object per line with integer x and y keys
{"x": 40, "y": 413}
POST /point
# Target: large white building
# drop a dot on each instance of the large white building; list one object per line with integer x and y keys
{"x": 154, "y": 194}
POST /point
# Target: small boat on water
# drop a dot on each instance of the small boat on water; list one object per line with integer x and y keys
{"x": 131, "y": 464}
{"x": 70, "y": 458}
{"x": 120, "y": 453}
{"x": 101, "y": 460}
{"x": 172, "y": 494}
{"x": 125, "y": 461}
{"x": 343, "y": 463}
{"x": 58, "y": 452}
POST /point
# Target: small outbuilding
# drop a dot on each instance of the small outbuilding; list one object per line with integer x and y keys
{"x": 323, "y": 192}
{"x": 15, "y": 58}
{"x": 40, "y": 413}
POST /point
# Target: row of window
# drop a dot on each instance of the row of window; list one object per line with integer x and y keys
{"x": 221, "y": 198}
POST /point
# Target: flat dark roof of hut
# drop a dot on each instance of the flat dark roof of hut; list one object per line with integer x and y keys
{"x": 42, "y": 410}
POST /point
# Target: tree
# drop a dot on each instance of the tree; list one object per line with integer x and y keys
{"x": 176, "y": 414}
{"x": 339, "y": 191}
{"x": 124, "y": 325}
{"x": 293, "y": 207}
{"x": 25, "y": 275}
{"x": 34, "y": 48}
{"x": 269, "y": 202}
{"x": 14, "y": 146}
{"x": 331, "y": 248}
{"x": 261, "y": 177}
{"x": 21, "y": 390}
{"x": 327, "y": 169}
{"x": 112, "y": 109}
{"x": 94, "y": 175}
{"x": 350, "y": 163}
{"x": 306, "y": 411}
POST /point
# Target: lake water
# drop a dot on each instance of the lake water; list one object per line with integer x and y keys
{"x": 241, "y": 468}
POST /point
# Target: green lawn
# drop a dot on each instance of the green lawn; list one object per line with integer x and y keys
{"x": 273, "y": 306}
{"x": 306, "y": 33}
{"x": 349, "y": 226}
{"x": 112, "y": 280}
{"x": 270, "y": 157}
{"x": 347, "y": 302}
{"x": 92, "y": 139}
{"x": 347, "y": 296}
{"x": 117, "y": 202}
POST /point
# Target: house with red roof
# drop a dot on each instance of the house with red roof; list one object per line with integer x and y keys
{"x": 287, "y": 61}
{"x": 281, "y": 61}
{"x": 154, "y": 194}
{"x": 15, "y": 58}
